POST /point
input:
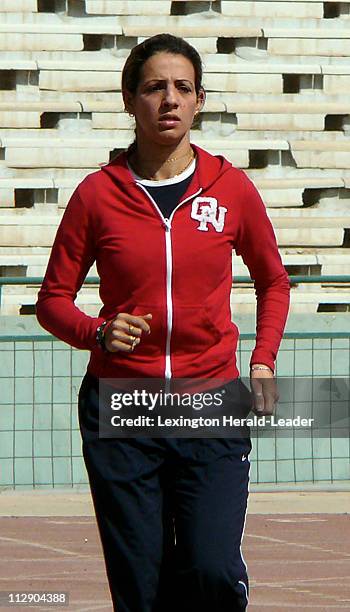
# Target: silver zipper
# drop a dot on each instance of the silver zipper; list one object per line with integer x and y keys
{"x": 169, "y": 272}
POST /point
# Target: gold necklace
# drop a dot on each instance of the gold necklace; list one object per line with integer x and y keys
{"x": 172, "y": 159}
{"x": 185, "y": 168}
{"x": 142, "y": 174}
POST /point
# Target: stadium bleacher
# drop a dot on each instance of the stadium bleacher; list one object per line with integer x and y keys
{"x": 277, "y": 76}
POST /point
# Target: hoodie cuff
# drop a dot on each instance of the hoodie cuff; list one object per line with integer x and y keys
{"x": 262, "y": 357}
{"x": 97, "y": 322}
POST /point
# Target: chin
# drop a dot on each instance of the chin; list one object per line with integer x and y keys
{"x": 170, "y": 135}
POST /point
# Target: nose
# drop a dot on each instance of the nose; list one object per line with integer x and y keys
{"x": 170, "y": 97}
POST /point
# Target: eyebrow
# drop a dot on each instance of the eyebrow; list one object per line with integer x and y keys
{"x": 164, "y": 81}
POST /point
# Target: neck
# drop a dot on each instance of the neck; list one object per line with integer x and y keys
{"x": 163, "y": 164}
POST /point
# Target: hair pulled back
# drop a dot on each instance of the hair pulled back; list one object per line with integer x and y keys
{"x": 166, "y": 43}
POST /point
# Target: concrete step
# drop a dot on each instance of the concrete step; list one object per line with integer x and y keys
{"x": 280, "y": 9}
{"x": 308, "y": 217}
{"x": 322, "y": 261}
{"x": 315, "y": 43}
{"x": 215, "y": 103}
{"x": 18, "y": 6}
{"x": 242, "y": 299}
{"x": 338, "y": 32}
{"x": 302, "y": 182}
{"x": 20, "y": 39}
{"x": 127, "y": 7}
{"x": 301, "y": 301}
{"x": 58, "y": 28}
{"x": 331, "y": 261}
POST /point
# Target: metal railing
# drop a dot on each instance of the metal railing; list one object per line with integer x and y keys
{"x": 94, "y": 280}
{"x": 40, "y": 443}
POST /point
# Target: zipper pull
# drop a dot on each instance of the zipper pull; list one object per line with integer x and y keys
{"x": 167, "y": 224}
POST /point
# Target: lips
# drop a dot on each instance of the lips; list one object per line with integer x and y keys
{"x": 171, "y": 118}
{"x": 168, "y": 122}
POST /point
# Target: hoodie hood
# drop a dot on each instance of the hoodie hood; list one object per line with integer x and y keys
{"x": 209, "y": 168}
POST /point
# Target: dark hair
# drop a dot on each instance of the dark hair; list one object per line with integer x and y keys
{"x": 156, "y": 44}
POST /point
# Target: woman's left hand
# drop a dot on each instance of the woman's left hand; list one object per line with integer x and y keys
{"x": 265, "y": 393}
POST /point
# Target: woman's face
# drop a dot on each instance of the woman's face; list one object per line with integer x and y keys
{"x": 165, "y": 102}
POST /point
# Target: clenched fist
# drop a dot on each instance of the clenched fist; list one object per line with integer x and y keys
{"x": 124, "y": 332}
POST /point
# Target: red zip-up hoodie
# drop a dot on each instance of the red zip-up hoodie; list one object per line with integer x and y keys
{"x": 179, "y": 269}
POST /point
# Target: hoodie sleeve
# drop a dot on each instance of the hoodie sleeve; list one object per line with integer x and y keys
{"x": 256, "y": 242}
{"x": 71, "y": 257}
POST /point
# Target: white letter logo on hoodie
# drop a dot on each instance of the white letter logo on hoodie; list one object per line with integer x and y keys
{"x": 205, "y": 210}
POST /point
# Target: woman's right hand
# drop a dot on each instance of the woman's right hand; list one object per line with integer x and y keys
{"x": 124, "y": 332}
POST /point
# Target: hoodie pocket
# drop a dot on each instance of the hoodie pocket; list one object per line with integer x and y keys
{"x": 193, "y": 331}
{"x": 153, "y": 344}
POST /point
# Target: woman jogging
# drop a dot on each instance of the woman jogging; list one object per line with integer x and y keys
{"x": 161, "y": 221}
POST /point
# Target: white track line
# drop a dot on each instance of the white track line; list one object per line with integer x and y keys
{"x": 298, "y": 561}
{"x": 62, "y": 551}
{"x": 298, "y": 544}
{"x": 315, "y": 581}
{"x": 293, "y": 607}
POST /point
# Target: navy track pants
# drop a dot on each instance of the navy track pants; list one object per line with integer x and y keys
{"x": 171, "y": 514}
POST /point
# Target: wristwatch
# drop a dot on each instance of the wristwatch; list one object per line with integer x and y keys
{"x": 100, "y": 335}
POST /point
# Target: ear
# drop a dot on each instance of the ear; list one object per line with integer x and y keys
{"x": 201, "y": 97}
{"x": 128, "y": 102}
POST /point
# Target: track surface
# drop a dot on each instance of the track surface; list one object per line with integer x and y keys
{"x": 295, "y": 561}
